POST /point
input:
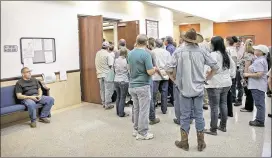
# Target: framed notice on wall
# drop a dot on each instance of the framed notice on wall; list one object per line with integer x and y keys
{"x": 152, "y": 28}
{"x": 37, "y": 50}
{"x": 245, "y": 37}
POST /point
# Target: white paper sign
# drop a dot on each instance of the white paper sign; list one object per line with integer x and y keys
{"x": 152, "y": 29}
{"x": 63, "y": 75}
{"x": 49, "y": 77}
{"x": 37, "y": 44}
{"x": 28, "y": 62}
{"x": 48, "y": 44}
{"x": 48, "y": 57}
{"x": 27, "y": 48}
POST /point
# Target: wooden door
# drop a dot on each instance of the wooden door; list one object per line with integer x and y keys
{"x": 90, "y": 41}
{"x": 128, "y": 30}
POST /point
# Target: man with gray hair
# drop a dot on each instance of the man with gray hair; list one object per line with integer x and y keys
{"x": 170, "y": 48}
{"x": 160, "y": 78}
{"x": 141, "y": 69}
{"x": 103, "y": 65}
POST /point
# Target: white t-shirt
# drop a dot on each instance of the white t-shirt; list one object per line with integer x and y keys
{"x": 233, "y": 53}
{"x": 222, "y": 78}
{"x": 103, "y": 61}
{"x": 161, "y": 57}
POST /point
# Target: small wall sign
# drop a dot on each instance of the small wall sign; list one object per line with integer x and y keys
{"x": 10, "y": 48}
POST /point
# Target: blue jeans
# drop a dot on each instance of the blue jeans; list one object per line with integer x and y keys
{"x": 152, "y": 110}
{"x": 31, "y": 105}
{"x": 177, "y": 104}
{"x": 186, "y": 105}
{"x": 121, "y": 90}
{"x": 218, "y": 99}
{"x": 163, "y": 86}
{"x": 259, "y": 100}
{"x": 171, "y": 87}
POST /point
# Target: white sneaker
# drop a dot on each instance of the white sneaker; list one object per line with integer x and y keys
{"x": 134, "y": 133}
{"x": 146, "y": 137}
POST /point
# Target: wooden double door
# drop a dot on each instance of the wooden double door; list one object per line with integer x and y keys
{"x": 90, "y": 42}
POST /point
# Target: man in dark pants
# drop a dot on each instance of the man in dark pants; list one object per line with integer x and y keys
{"x": 236, "y": 82}
{"x": 29, "y": 91}
{"x": 152, "y": 110}
{"x": 170, "y": 48}
{"x": 269, "y": 84}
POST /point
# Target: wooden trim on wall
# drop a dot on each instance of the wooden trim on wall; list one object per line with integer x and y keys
{"x": 36, "y": 75}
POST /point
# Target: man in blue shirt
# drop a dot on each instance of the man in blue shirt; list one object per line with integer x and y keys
{"x": 169, "y": 44}
{"x": 170, "y": 48}
{"x": 186, "y": 69}
{"x": 141, "y": 69}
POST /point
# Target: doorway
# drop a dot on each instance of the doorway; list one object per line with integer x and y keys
{"x": 91, "y": 33}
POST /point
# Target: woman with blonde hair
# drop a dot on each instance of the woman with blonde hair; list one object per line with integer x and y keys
{"x": 245, "y": 62}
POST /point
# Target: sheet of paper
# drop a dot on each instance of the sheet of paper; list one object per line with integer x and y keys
{"x": 49, "y": 77}
{"x": 28, "y": 62}
{"x": 48, "y": 44}
{"x": 63, "y": 75}
{"x": 48, "y": 57}
{"x": 27, "y": 48}
{"x": 37, "y": 44}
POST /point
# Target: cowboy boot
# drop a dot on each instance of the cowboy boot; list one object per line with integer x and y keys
{"x": 184, "y": 141}
{"x": 200, "y": 141}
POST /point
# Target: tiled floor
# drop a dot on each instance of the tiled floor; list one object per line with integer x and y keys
{"x": 89, "y": 130}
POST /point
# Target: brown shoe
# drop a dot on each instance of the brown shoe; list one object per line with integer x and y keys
{"x": 44, "y": 120}
{"x": 183, "y": 144}
{"x": 33, "y": 124}
{"x": 200, "y": 141}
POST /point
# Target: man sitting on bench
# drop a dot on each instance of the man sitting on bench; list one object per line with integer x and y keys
{"x": 29, "y": 91}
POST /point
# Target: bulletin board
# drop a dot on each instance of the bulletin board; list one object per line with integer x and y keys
{"x": 152, "y": 28}
{"x": 38, "y": 50}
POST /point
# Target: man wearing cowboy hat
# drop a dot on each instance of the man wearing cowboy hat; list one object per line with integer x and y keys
{"x": 189, "y": 63}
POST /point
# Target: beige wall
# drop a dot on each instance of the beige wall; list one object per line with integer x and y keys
{"x": 176, "y": 33}
{"x": 108, "y": 35}
{"x": 206, "y": 29}
{"x": 66, "y": 93}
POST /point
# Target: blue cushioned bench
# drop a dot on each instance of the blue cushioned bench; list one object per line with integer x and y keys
{"x": 9, "y": 102}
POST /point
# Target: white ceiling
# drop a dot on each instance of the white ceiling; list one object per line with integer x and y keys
{"x": 180, "y": 18}
{"x": 220, "y": 11}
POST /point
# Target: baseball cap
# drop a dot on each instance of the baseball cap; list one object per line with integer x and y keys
{"x": 262, "y": 48}
{"x": 105, "y": 44}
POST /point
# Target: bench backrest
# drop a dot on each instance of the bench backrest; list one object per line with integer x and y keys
{"x": 8, "y": 97}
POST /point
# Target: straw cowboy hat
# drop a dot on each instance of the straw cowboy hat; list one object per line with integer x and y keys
{"x": 192, "y": 36}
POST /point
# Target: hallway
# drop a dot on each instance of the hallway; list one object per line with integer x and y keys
{"x": 89, "y": 130}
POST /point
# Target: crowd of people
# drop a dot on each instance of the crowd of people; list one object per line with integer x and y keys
{"x": 196, "y": 73}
